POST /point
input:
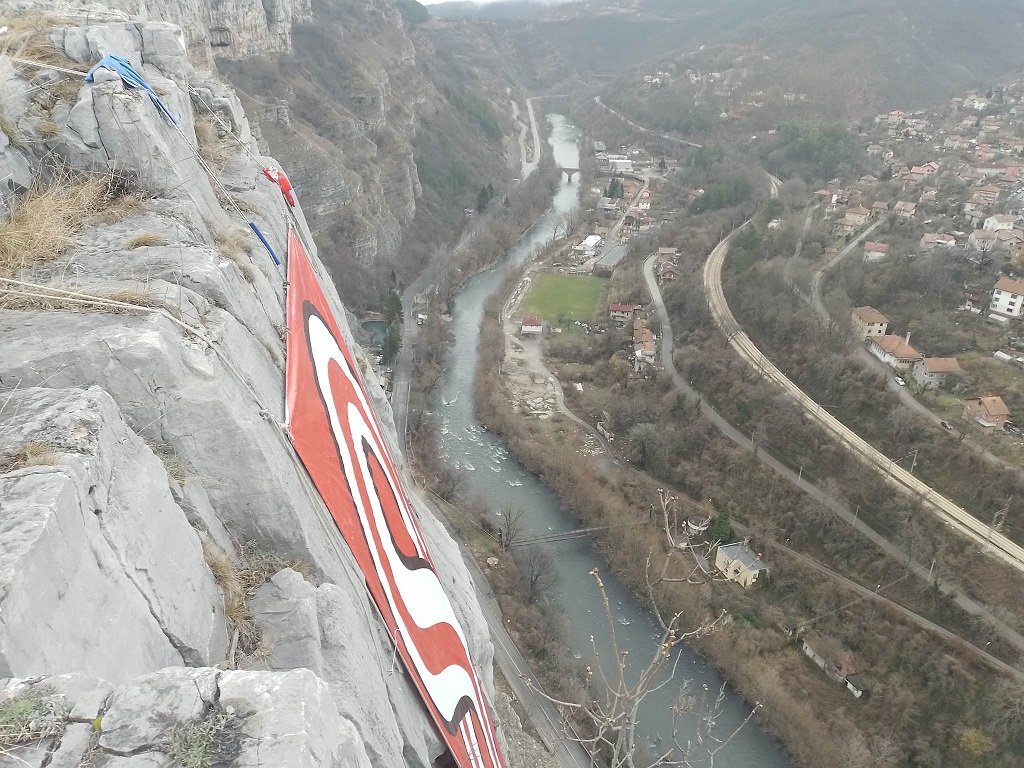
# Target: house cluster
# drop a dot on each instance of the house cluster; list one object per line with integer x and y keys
{"x": 657, "y": 79}
{"x": 667, "y": 265}
{"x": 645, "y": 345}
{"x": 895, "y": 351}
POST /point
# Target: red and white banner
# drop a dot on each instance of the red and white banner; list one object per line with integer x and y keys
{"x": 339, "y": 440}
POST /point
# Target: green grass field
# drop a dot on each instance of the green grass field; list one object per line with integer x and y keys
{"x": 559, "y": 298}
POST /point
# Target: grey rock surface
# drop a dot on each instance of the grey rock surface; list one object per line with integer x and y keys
{"x": 286, "y": 612}
{"x": 143, "y": 711}
{"x": 168, "y": 418}
{"x": 107, "y": 488}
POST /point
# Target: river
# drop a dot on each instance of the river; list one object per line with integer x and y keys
{"x": 490, "y": 469}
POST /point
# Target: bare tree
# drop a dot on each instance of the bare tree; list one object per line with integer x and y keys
{"x": 613, "y": 696}
{"x": 537, "y": 570}
{"x": 511, "y": 526}
{"x": 1010, "y": 700}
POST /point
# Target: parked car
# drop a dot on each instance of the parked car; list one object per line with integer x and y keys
{"x": 945, "y": 425}
{"x": 899, "y": 381}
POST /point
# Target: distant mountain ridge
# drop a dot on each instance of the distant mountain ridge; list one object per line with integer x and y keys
{"x": 913, "y": 52}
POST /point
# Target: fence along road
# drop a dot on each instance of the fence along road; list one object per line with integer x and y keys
{"x": 947, "y": 511}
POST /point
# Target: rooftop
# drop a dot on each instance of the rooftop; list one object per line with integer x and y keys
{"x": 612, "y": 257}
{"x": 1010, "y": 285}
{"x": 869, "y": 315}
{"x": 896, "y": 346}
{"x": 941, "y": 365}
{"x": 993, "y": 405}
{"x": 740, "y": 551}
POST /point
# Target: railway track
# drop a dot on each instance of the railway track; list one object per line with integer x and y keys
{"x": 950, "y": 513}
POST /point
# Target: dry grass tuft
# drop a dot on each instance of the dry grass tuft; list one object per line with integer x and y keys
{"x": 244, "y": 205}
{"x": 46, "y": 221}
{"x": 146, "y": 240}
{"x": 29, "y": 718}
{"x": 26, "y": 300}
{"x": 174, "y": 466}
{"x": 48, "y": 129}
{"x": 214, "y": 150}
{"x": 32, "y": 454}
{"x": 28, "y": 37}
{"x": 236, "y": 246}
{"x": 239, "y": 577}
{"x": 11, "y": 131}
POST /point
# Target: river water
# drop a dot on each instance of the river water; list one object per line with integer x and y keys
{"x": 491, "y": 470}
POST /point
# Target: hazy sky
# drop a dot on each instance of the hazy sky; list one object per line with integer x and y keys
{"x": 483, "y": 2}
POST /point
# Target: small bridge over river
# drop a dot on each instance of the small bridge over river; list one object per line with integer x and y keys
{"x": 577, "y": 533}
{"x": 570, "y": 172}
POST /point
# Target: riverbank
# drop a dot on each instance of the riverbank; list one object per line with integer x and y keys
{"x": 555, "y": 450}
{"x": 484, "y": 466}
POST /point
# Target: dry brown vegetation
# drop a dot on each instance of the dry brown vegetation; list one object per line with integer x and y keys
{"x": 214, "y": 150}
{"x": 54, "y": 300}
{"x": 48, "y": 129}
{"x": 236, "y": 246}
{"x": 28, "y": 38}
{"x": 239, "y": 576}
{"x": 146, "y": 240}
{"x": 45, "y": 222}
{"x": 32, "y": 454}
{"x": 47, "y": 219}
{"x": 11, "y": 131}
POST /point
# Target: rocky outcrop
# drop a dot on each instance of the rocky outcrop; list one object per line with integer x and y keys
{"x": 235, "y": 28}
{"x": 241, "y": 719}
{"x": 141, "y": 410}
{"x": 132, "y": 592}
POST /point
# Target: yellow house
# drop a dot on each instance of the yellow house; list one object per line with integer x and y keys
{"x": 739, "y": 563}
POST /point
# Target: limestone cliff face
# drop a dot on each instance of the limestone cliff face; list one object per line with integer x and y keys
{"x": 141, "y": 409}
{"x": 344, "y": 115}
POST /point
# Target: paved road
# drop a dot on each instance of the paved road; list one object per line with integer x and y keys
{"x": 947, "y": 511}
{"x": 542, "y": 714}
{"x": 843, "y": 512}
{"x": 642, "y": 129}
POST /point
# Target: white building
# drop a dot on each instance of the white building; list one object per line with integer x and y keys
{"x": 868, "y": 321}
{"x": 1000, "y": 222}
{"x": 1008, "y": 297}
{"x": 739, "y": 563}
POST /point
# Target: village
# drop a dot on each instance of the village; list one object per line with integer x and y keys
{"x": 942, "y": 187}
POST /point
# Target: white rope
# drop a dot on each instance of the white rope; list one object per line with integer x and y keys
{"x": 40, "y": 65}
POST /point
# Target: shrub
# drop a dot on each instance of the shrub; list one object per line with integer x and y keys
{"x": 196, "y": 745}
{"x": 29, "y": 717}
{"x": 31, "y": 454}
